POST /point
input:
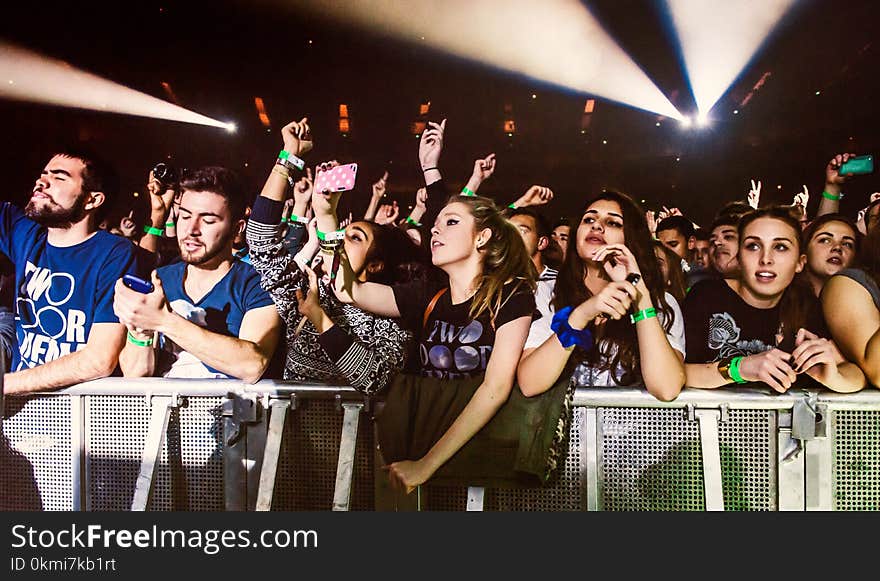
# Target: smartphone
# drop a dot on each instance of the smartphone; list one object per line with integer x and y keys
{"x": 861, "y": 165}
{"x": 338, "y": 179}
{"x": 138, "y": 284}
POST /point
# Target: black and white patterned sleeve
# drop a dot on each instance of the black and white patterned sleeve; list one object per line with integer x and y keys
{"x": 279, "y": 274}
{"x": 368, "y": 365}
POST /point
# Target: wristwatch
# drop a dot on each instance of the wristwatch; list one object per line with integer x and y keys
{"x": 724, "y": 368}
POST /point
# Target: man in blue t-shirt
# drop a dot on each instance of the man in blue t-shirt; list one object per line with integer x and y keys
{"x": 207, "y": 315}
{"x": 65, "y": 269}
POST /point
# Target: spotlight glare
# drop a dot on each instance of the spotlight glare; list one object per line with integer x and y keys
{"x": 555, "y": 41}
{"x": 719, "y": 39}
{"x": 702, "y": 120}
{"x": 231, "y": 127}
{"x": 40, "y": 79}
{"x": 686, "y": 122}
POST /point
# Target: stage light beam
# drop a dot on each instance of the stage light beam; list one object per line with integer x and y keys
{"x": 555, "y": 41}
{"x": 36, "y": 78}
{"x": 718, "y": 39}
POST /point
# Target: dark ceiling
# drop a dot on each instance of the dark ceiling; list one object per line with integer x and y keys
{"x": 217, "y": 56}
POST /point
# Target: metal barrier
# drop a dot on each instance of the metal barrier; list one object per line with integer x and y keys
{"x": 158, "y": 444}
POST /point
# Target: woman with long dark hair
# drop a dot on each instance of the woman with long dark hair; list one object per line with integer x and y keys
{"x": 766, "y": 325}
{"x": 611, "y": 311}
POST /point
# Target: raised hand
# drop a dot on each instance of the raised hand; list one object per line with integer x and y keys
{"x": 388, "y": 213}
{"x": 431, "y": 144}
{"x": 421, "y": 199}
{"x": 379, "y": 186}
{"x": 754, "y": 196}
{"x": 651, "y": 219}
{"x": 297, "y": 137}
{"x": 802, "y": 198}
{"x": 832, "y": 176}
{"x": 535, "y": 196}
{"x": 325, "y": 203}
{"x": 484, "y": 167}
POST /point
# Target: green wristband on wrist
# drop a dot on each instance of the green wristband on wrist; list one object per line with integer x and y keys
{"x": 135, "y": 341}
{"x": 169, "y": 224}
{"x": 642, "y": 315}
{"x": 734, "y": 370}
{"x": 830, "y": 196}
{"x": 467, "y": 192}
{"x": 153, "y": 231}
{"x": 300, "y": 219}
{"x": 409, "y": 220}
{"x": 329, "y": 236}
{"x": 512, "y": 206}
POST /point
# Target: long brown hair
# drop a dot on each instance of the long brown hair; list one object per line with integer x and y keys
{"x": 797, "y": 298}
{"x": 503, "y": 257}
{"x": 619, "y": 345}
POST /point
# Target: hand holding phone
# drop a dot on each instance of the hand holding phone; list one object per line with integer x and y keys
{"x": 337, "y": 179}
{"x": 137, "y": 284}
{"x": 856, "y": 166}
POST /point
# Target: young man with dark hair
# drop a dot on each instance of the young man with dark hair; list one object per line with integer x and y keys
{"x": 213, "y": 318}
{"x": 677, "y": 234}
{"x": 65, "y": 269}
{"x": 560, "y": 233}
{"x": 535, "y": 232}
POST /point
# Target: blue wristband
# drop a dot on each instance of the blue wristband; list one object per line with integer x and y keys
{"x": 567, "y": 335}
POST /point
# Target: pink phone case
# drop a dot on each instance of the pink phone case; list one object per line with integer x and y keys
{"x": 338, "y": 179}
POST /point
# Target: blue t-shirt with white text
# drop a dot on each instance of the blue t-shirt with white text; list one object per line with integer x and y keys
{"x": 60, "y": 292}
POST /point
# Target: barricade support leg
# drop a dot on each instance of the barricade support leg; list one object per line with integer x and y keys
{"x": 272, "y": 452}
{"x": 347, "y": 448}
{"x": 161, "y": 411}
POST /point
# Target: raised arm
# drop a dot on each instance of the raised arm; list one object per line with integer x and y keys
{"x": 484, "y": 167}
{"x": 829, "y": 203}
{"x": 160, "y": 214}
{"x": 379, "y": 189}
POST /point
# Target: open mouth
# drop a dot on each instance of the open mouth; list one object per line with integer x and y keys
{"x": 593, "y": 239}
{"x": 191, "y": 246}
{"x": 435, "y": 244}
{"x": 836, "y": 260}
{"x": 765, "y": 276}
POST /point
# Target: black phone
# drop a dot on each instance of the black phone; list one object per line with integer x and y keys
{"x": 137, "y": 284}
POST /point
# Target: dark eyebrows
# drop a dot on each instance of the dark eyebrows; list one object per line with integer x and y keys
{"x": 609, "y": 213}
{"x": 183, "y": 209}
{"x": 62, "y": 172}
{"x": 361, "y": 230}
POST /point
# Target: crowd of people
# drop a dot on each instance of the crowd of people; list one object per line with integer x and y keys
{"x": 221, "y": 284}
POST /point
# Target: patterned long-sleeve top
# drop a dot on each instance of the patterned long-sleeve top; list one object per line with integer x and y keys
{"x": 361, "y": 350}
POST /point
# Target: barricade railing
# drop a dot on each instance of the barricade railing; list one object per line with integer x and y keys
{"x": 154, "y": 444}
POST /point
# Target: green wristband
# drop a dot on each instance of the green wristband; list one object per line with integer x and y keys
{"x": 467, "y": 192}
{"x": 734, "y": 370}
{"x": 300, "y": 219}
{"x": 829, "y": 196}
{"x": 642, "y": 315}
{"x": 512, "y": 206}
{"x": 409, "y": 220}
{"x": 329, "y": 236}
{"x": 153, "y": 231}
{"x": 169, "y": 224}
{"x": 135, "y": 341}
